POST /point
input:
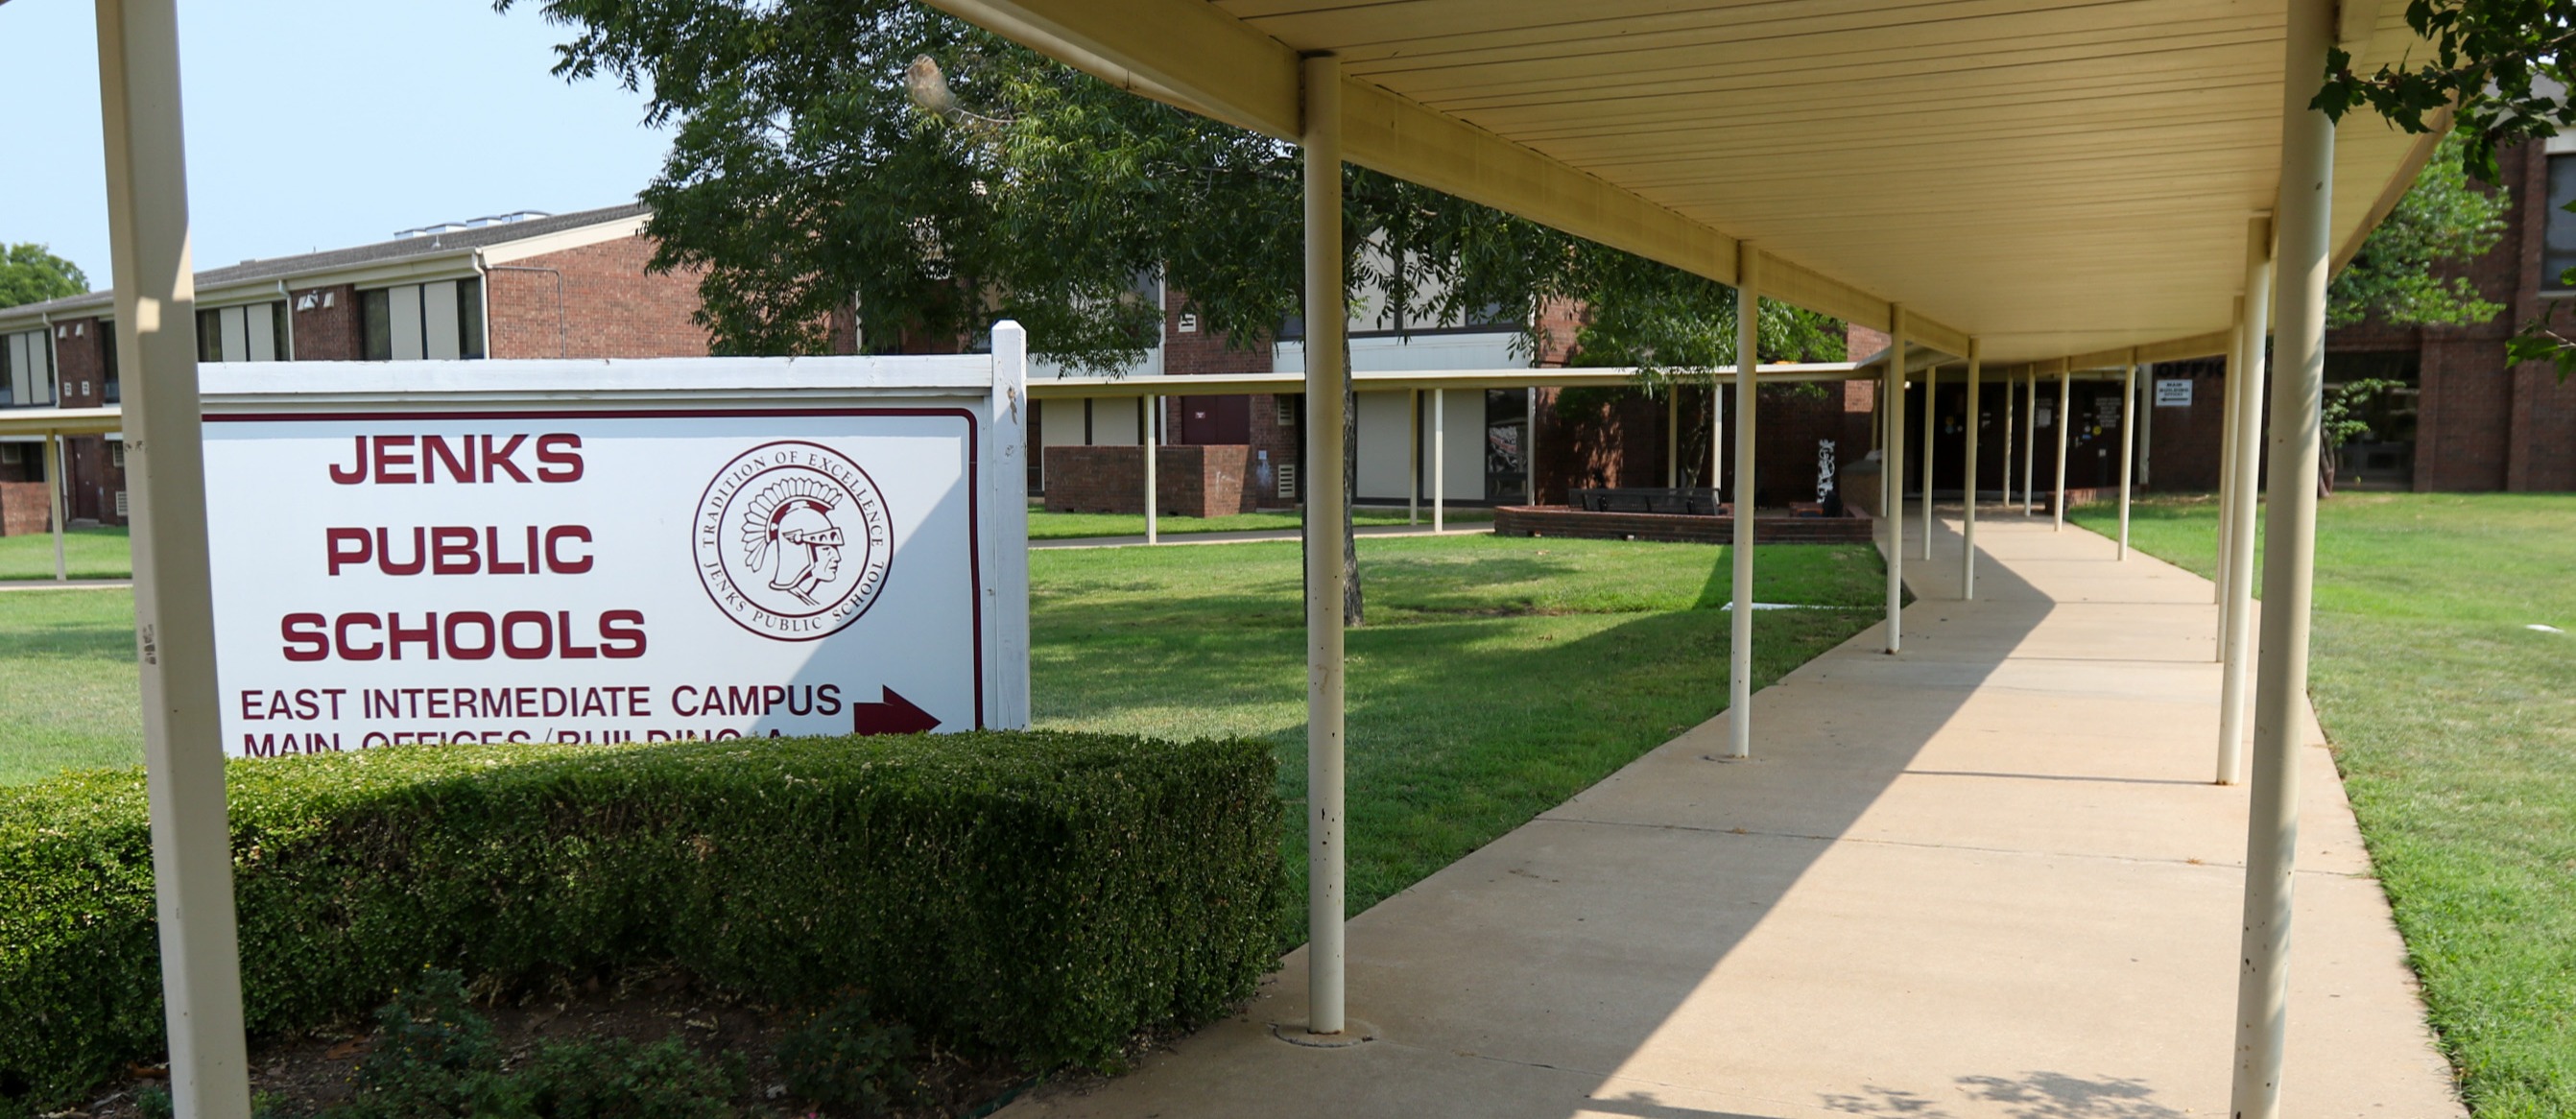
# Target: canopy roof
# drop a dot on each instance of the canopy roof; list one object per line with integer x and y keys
{"x": 2060, "y": 179}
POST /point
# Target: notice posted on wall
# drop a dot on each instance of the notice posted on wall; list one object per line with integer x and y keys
{"x": 594, "y": 576}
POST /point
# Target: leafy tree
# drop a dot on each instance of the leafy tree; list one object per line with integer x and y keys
{"x": 876, "y": 153}
{"x": 2502, "y": 69}
{"x": 30, "y": 274}
{"x": 2443, "y": 217}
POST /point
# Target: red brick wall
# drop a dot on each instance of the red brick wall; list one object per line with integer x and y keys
{"x": 1189, "y": 481}
{"x": 24, "y": 507}
{"x": 95, "y": 479}
{"x": 1202, "y": 353}
{"x": 80, "y": 361}
{"x": 2184, "y": 443}
{"x": 2481, "y": 425}
{"x": 610, "y": 306}
{"x": 332, "y": 328}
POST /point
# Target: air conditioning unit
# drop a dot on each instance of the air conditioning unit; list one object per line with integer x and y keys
{"x": 1287, "y": 410}
{"x": 120, "y": 504}
{"x": 1288, "y": 480}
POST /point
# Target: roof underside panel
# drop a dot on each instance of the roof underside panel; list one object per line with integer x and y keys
{"x": 2051, "y": 177}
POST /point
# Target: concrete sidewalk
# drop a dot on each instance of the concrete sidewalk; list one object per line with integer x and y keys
{"x": 1986, "y": 877}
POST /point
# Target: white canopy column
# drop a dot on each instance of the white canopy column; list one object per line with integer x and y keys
{"x": 1327, "y": 579}
{"x": 2128, "y": 446}
{"x": 2305, "y": 216}
{"x": 1748, "y": 334}
{"x": 156, "y": 343}
{"x": 1891, "y": 476}
{"x": 2236, "y": 616}
{"x": 1968, "y": 521}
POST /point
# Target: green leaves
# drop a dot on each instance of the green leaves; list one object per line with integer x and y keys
{"x": 2441, "y": 219}
{"x": 808, "y": 185}
{"x": 30, "y": 274}
{"x": 2502, "y": 63}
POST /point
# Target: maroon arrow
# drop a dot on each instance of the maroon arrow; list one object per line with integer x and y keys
{"x": 896, "y": 715}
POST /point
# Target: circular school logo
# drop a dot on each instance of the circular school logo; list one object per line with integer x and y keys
{"x": 792, "y": 540}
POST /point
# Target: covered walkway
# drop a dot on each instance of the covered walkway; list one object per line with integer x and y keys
{"x": 1987, "y": 876}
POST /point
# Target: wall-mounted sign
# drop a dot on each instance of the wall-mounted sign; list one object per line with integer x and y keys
{"x": 2173, "y": 392}
{"x": 426, "y": 552}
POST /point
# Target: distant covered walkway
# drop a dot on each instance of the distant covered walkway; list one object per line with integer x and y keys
{"x": 1987, "y": 876}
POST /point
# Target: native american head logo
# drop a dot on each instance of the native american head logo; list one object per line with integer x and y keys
{"x": 793, "y": 540}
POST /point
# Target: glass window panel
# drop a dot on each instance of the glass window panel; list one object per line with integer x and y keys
{"x": 375, "y": 313}
{"x": 469, "y": 317}
{"x": 440, "y": 332}
{"x": 2560, "y": 254}
{"x": 210, "y": 336}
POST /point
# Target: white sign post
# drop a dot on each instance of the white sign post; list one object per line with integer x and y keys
{"x": 617, "y": 551}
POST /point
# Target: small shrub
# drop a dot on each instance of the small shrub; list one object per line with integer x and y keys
{"x": 844, "y": 1058}
{"x": 1040, "y": 896}
{"x": 435, "y": 1057}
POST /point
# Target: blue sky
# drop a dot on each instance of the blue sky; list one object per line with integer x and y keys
{"x": 318, "y": 124}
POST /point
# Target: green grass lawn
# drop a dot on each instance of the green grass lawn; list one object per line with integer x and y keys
{"x": 88, "y": 553}
{"x": 67, "y": 683}
{"x": 1069, "y": 526}
{"x": 2455, "y": 727}
{"x": 1496, "y": 677}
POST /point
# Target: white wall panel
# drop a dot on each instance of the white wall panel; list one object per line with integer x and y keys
{"x": 259, "y": 322}
{"x": 1466, "y": 444}
{"x": 1385, "y": 470}
{"x": 1113, "y": 422}
{"x": 440, "y": 337}
{"x": 403, "y": 305}
{"x": 233, "y": 330}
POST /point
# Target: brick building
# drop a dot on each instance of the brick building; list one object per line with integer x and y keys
{"x": 2469, "y": 421}
{"x": 520, "y": 286}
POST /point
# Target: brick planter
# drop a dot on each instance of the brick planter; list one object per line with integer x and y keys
{"x": 25, "y": 507}
{"x": 1189, "y": 481}
{"x": 1557, "y": 520}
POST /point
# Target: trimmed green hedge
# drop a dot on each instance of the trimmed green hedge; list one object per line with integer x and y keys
{"x": 1042, "y": 895}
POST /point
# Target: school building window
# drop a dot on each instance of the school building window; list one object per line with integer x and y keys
{"x": 442, "y": 321}
{"x": 255, "y": 332}
{"x": 2558, "y": 254}
{"x": 26, "y": 369}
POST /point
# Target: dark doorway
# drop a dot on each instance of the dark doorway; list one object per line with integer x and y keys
{"x": 1507, "y": 445}
{"x": 1216, "y": 420}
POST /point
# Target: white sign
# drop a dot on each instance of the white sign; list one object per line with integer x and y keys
{"x": 427, "y": 552}
{"x": 2173, "y": 392}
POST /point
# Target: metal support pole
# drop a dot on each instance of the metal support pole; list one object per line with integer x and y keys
{"x": 156, "y": 341}
{"x": 1529, "y": 448}
{"x": 2065, "y": 419}
{"x": 62, "y": 481}
{"x": 1439, "y": 461}
{"x": 1716, "y": 439}
{"x": 2128, "y": 445}
{"x": 1968, "y": 524}
{"x": 2236, "y": 615}
{"x": 2304, "y": 229}
{"x": 2030, "y": 442}
{"x": 1413, "y": 443}
{"x": 1748, "y": 335}
{"x": 1672, "y": 435}
{"x": 1327, "y": 386}
{"x": 1931, "y": 382}
{"x": 1892, "y": 477}
{"x": 2228, "y": 415}
{"x": 1153, "y": 422}
{"x": 2008, "y": 445}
